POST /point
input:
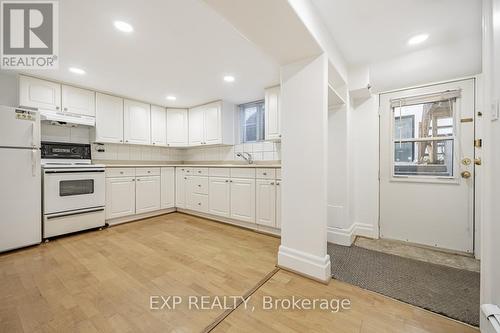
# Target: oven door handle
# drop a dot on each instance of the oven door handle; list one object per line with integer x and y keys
{"x": 75, "y": 213}
{"x": 72, "y": 171}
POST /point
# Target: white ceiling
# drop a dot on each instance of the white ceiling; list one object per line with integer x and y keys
{"x": 178, "y": 47}
{"x": 369, "y": 31}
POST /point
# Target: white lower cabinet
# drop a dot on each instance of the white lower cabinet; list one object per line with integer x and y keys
{"x": 120, "y": 197}
{"x": 180, "y": 187}
{"x": 219, "y": 197}
{"x": 266, "y": 202}
{"x": 243, "y": 199}
{"x": 278, "y": 204}
{"x": 147, "y": 194}
{"x": 167, "y": 188}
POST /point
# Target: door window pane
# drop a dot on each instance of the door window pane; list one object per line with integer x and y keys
{"x": 76, "y": 187}
{"x": 423, "y": 137}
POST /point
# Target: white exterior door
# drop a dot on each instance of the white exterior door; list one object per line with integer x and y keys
{"x": 120, "y": 197}
{"x": 196, "y": 126}
{"x": 243, "y": 199}
{"x": 137, "y": 122}
{"x": 109, "y": 118}
{"x": 213, "y": 134}
{"x": 78, "y": 101}
{"x": 266, "y": 202}
{"x": 272, "y": 114}
{"x": 177, "y": 127}
{"x": 147, "y": 194}
{"x": 427, "y": 165}
{"x": 167, "y": 188}
{"x": 158, "y": 125}
{"x": 278, "y": 204}
{"x": 219, "y": 196}
{"x": 40, "y": 94}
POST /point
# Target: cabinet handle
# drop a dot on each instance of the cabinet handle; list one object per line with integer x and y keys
{"x": 199, "y": 171}
{"x": 154, "y": 143}
{"x": 126, "y": 140}
{"x": 57, "y": 108}
{"x": 199, "y": 185}
{"x": 277, "y": 183}
{"x": 272, "y": 183}
{"x": 121, "y": 140}
{"x": 185, "y": 178}
{"x": 199, "y": 203}
{"x": 133, "y": 180}
{"x": 264, "y": 173}
{"x": 149, "y": 171}
{"x": 138, "y": 180}
{"x": 121, "y": 172}
{"x": 227, "y": 181}
{"x": 65, "y": 109}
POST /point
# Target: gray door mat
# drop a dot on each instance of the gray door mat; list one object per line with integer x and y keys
{"x": 448, "y": 291}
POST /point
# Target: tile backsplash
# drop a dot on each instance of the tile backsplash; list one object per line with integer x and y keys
{"x": 121, "y": 152}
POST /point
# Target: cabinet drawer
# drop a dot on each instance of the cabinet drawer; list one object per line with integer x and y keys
{"x": 278, "y": 173}
{"x": 198, "y": 202}
{"x": 242, "y": 173}
{"x": 198, "y": 185}
{"x": 200, "y": 171}
{"x": 266, "y": 173}
{"x": 147, "y": 172}
{"x": 219, "y": 172}
{"x": 120, "y": 172}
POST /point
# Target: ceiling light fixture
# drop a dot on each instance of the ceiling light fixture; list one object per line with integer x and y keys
{"x": 418, "y": 39}
{"x": 229, "y": 78}
{"x": 171, "y": 98}
{"x": 123, "y": 26}
{"x": 76, "y": 70}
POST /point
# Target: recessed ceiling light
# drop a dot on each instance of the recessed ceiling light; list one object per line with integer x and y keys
{"x": 123, "y": 26}
{"x": 76, "y": 70}
{"x": 229, "y": 78}
{"x": 171, "y": 98}
{"x": 418, "y": 39}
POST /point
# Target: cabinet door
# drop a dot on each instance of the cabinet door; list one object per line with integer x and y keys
{"x": 272, "y": 114}
{"x": 213, "y": 133}
{"x": 180, "y": 188}
{"x": 120, "y": 197}
{"x": 147, "y": 194}
{"x": 39, "y": 94}
{"x": 177, "y": 127}
{"x": 137, "y": 122}
{"x": 167, "y": 188}
{"x": 266, "y": 202}
{"x": 158, "y": 125}
{"x": 243, "y": 199}
{"x": 109, "y": 119}
{"x": 219, "y": 198}
{"x": 196, "y": 126}
{"x": 78, "y": 101}
{"x": 278, "y": 204}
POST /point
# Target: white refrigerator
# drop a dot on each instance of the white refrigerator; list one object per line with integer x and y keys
{"x": 20, "y": 180}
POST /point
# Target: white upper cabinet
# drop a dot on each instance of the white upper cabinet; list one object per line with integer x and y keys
{"x": 136, "y": 122}
{"x": 158, "y": 125}
{"x": 196, "y": 126}
{"x": 78, "y": 101}
{"x": 273, "y": 113}
{"x": 39, "y": 94}
{"x": 177, "y": 127}
{"x": 212, "y": 124}
{"x": 109, "y": 119}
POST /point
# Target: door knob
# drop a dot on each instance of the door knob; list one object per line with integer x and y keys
{"x": 465, "y": 174}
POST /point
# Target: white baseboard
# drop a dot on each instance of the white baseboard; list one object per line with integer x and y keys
{"x": 346, "y": 236}
{"x": 317, "y": 268}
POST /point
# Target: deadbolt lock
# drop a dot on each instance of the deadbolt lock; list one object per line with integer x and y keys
{"x": 466, "y": 174}
{"x": 477, "y": 161}
{"x": 466, "y": 161}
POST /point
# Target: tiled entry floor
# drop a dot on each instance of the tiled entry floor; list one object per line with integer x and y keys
{"x": 420, "y": 253}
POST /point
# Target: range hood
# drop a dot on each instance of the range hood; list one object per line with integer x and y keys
{"x": 65, "y": 118}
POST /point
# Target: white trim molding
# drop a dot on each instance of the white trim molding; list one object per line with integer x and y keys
{"x": 346, "y": 236}
{"x": 317, "y": 268}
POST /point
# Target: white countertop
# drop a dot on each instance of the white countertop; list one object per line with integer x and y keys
{"x": 193, "y": 165}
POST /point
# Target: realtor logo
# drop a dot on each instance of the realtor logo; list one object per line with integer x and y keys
{"x": 29, "y": 34}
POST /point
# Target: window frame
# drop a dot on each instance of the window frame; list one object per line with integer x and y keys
{"x": 454, "y": 179}
{"x": 260, "y": 124}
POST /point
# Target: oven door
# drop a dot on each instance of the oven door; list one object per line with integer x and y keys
{"x": 66, "y": 189}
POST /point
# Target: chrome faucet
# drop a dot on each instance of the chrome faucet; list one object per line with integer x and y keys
{"x": 246, "y": 156}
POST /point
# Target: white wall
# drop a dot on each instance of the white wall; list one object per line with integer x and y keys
{"x": 304, "y": 168}
{"x": 433, "y": 64}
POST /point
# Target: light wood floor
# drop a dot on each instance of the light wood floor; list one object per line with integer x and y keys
{"x": 102, "y": 282}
